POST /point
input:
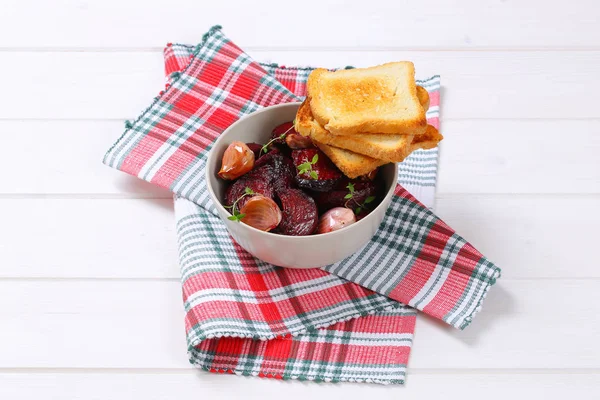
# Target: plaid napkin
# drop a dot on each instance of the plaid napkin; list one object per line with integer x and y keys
{"x": 246, "y": 317}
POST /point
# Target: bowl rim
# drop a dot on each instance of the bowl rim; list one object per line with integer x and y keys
{"x": 268, "y": 235}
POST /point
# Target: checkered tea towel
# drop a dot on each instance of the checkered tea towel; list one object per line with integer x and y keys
{"x": 246, "y": 317}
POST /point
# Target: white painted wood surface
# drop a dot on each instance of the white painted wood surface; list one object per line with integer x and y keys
{"x": 87, "y": 254}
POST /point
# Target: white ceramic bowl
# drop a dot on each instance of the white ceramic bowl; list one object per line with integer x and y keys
{"x": 289, "y": 251}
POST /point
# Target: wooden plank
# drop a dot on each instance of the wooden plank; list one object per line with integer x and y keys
{"x": 529, "y": 236}
{"x": 139, "y": 324}
{"x": 188, "y": 384}
{"x": 477, "y": 156}
{"x": 434, "y": 24}
{"x": 109, "y": 238}
{"x": 65, "y": 157}
{"x": 88, "y": 238}
{"x": 519, "y": 157}
{"x": 499, "y": 85}
{"x": 80, "y": 85}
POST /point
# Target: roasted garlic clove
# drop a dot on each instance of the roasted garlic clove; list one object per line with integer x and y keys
{"x": 335, "y": 219}
{"x": 261, "y": 212}
{"x": 237, "y": 160}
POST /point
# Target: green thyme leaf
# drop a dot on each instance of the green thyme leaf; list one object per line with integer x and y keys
{"x": 348, "y": 196}
{"x": 304, "y": 168}
{"x": 236, "y": 216}
{"x": 350, "y": 187}
{"x": 315, "y": 159}
{"x": 369, "y": 199}
{"x": 358, "y": 210}
{"x": 314, "y": 175}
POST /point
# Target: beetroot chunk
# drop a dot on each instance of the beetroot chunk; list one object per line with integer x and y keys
{"x": 266, "y": 158}
{"x": 255, "y": 147}
{"x": 287, "y": 128}
{"x": 300, "y": 216}
{"x": 260, "y": 181}
{"x": 283, "y": 168}
{"x": 336, "y": 197}
{"x": 327, "y": 174}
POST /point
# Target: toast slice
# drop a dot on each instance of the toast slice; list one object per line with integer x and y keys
{"x": 391, "y": 148}
{"x": 428, "y": 140}
{"x": 354, "y": 164}
{"x": 423, "y": 96}
{"x": 380, "y": 99}
{"x": 350, "y": 163}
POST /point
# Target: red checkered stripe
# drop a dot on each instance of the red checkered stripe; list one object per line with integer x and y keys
{"x": 367, "y": 349}
{"x": 177, "y": 58}
{"x": 168, "y": 144}
{"x": 235, "y": 302}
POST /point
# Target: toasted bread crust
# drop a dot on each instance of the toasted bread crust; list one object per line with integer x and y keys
{"x": 423, "y": 96}
{"x": 359, "y": 145}
{"x": 304, "y": 122}
{"x": 396, "y": 150}
{"x": 429, "y": 140}
{"x": 380, "y": 99}
{"x": 360, "y": 165}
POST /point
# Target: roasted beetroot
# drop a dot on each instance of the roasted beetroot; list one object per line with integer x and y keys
{"x": 300, "y": 216}
{"x": 284, "y": 173}
{"x": 283, "y": 168}
{"x": 281, "y": 131}
{"x": 290, "y": 175}
{"x": 260, "y": 181}
{"x": 314, "y": 170}
{"x": 255, "y": 147}
{"x": 338, "y": 196}
{"x": 266, "y": 158}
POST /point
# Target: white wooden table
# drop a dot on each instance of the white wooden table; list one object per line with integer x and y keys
{"x": 90, "y": 302}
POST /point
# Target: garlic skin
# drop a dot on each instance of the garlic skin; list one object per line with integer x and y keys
{"x": 237, "y": 160}
{"x": 335, "y": 219}
{"x": 298, "y": 142}
{"x": 262, "y": 213}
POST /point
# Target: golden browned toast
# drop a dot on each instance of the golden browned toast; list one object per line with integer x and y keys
{"x": 391, "y": 148}
{"x": 380, "y": 99}
{"x": 350, "y": 163}
{"x": 429, "y": 140}
{"x": 353, "y": 164}
{"x": 423, "y": 96}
